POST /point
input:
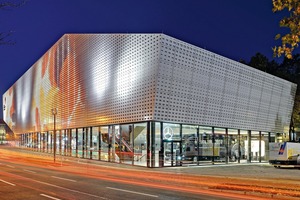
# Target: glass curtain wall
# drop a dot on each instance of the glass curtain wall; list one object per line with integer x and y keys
{"x": 172, "y": 144}
{"x": 105, "y": 146}
{"x": 69, "y": 153}
{"x": 265, "y": 141}
{"x": 64, "y": 141}
{"x": 273, "y": 137}
{"x": 125, "y": 140}
{"x": 94, "y": 143}
{"x": 157, "y": 144}
{"x": 220, "y": 144}
{"x": 160, "y": 144}
{"x": 80, "y": 143}
{"x": 74, "y": 144}
{"x": 86, "y": 142}
{"x": 189, "y": 144}
{"x": 257, "y": 146}
{"x": 244, "y": 146}
{"x": 50, "y": 142}
{"x": 40, "y": 142}
{"x": 140, "y": 144}
{"x": 58, "y": 147}
{"x": 115, "y": 146}
{"x": 234, "y": 147}
{"x": 59, "y": 142}
{"x": 205, "y": 145}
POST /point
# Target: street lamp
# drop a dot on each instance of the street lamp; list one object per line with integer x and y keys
{"x": 54, "y": 112}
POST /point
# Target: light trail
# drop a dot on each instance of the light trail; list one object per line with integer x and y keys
{"x": 133, "y": 192}
{"x": 7, "y": 182}
{"x": 29, "y": 171}
{"x": 196, "y": 184}
{"x": 49, "y": 184}
{"x": 65, "y": 179}
{"x": 50, "y": 197}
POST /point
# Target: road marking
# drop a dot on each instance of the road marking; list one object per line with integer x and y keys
{"x": 29, "y": 171}
{"x": 44, "y": 195}
{"x": 144, "y": 194}
{"x": 10, "y": 166}
{"x": 66, "y": 179}
{"x": 7, "y": 182}
{"x": 76, "y": 191}
{"x": 56, "y": 186}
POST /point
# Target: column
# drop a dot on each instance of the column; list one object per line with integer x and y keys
{"x": 259, "y": 152}
{"x": 213, "y": 143}
{"x": 152, "y": 144}
{"x": 161, "y": 152}
{"x": 148, "y": 146}
{"x": 249, "y": 156}
{"x": 226, "y": 146}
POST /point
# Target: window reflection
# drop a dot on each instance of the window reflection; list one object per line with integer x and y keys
{"x": 140, "y": 144}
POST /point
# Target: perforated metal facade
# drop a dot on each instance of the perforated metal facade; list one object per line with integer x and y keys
{"x": 196, "y": 86}
{"x": 97, "y": 79}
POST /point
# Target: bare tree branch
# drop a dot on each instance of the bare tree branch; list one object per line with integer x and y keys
{"x": 4, "y": 40}
{"x": 6, "y": 5}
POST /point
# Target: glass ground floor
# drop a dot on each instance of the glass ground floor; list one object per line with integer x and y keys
{"x": 155, "y": 144}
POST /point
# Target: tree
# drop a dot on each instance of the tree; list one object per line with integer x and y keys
{"x": 259, "y": 61}
{"x": 272, "y": 67}
{"x": 290, "y": 40}
{"x": 8, "y": 5}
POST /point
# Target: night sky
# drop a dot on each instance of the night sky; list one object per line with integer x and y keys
{"x": 236, "y": 29}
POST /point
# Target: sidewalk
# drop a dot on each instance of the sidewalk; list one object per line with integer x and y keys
{"x": 244, "y": 170}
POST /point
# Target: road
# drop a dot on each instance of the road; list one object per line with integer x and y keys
{"x": 27, "y": 178}
{"x": 35, "y": 176}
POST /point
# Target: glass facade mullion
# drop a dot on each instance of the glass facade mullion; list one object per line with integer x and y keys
{"x": 60, "y": 142}
{"x": 162, "y": 150}
{"x": 99, "y": 143}
{"x": 148, "y": 146}
{"x": 155, "y": 144}
{"x": 226, "y": 146}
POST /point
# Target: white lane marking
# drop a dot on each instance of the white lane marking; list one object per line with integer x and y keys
{"x": 133, "y": 192}
{"x": 10, "y": 166}
{"x": 63, "y": 188}
{"x": 7, "y": 182}
{"x": 66, "y": 179}
{"x": 29, "y": 171}
{"x": 44, "y": 195}
{"x": 56, "y": 186}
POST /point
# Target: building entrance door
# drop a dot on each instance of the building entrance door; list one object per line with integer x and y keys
{"x": 172, "y": 153}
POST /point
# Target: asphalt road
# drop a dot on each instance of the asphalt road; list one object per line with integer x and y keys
{"x": 29, "y": 175}
{"x": 26, "y": 181}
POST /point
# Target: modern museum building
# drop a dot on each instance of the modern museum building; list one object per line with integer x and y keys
{"x": 148, "y": 100}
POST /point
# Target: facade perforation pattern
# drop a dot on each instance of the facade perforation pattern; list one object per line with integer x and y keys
{"x": 199, "y": 87}
{"x": 91, "y": 79}
{"x": 100, "y": 79}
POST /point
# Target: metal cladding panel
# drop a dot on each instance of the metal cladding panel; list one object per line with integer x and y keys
{"x": 95, "y": 79}
{"x": 196, "y": 86}
{"x": 91, "y": 79}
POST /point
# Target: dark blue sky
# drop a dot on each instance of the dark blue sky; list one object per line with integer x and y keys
{"x": 236, "y": 29}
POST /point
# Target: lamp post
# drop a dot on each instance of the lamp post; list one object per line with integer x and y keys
{"x": 54, "y": 112}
